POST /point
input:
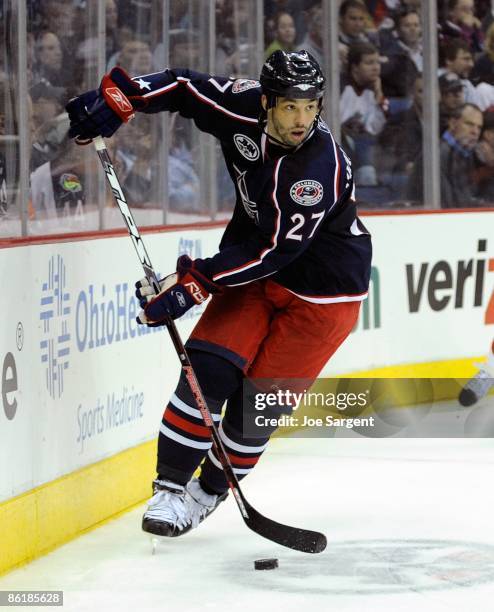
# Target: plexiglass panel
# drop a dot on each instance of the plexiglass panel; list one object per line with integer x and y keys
{"x": 55, "y": 49}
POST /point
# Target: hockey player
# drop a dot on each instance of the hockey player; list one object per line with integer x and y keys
{"x": 292, "y": 268}
{"x": 480, "y": 384}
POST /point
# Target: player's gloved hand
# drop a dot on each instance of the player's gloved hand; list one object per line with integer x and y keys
{"x": 102, "y": 111}
{"x": 179, "y": 292}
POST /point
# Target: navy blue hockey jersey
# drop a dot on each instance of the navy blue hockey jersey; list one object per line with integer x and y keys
{"x": 295, "y": 217}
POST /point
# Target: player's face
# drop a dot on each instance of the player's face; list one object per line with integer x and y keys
{"x": 290, "y": 120}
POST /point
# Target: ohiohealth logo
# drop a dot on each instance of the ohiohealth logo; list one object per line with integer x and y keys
{"x": 54, "y": 314}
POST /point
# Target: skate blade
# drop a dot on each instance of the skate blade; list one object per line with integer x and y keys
{"x": 155, "y": 541}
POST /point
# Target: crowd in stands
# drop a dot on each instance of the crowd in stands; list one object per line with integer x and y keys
{"x": 381, "y": 60}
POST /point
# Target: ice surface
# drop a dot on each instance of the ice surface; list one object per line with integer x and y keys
{"x": 409, "y": 525}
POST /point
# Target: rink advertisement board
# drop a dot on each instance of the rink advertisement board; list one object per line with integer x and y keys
{"x": 82, "y": 381}
{"x": 431, "y": 295}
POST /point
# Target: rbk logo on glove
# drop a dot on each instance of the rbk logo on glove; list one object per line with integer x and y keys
{"x": 116, "y": 99}
{"x": 120, "y": 100}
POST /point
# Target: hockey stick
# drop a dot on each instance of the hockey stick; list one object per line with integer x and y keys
{"x": 303, "y": 540}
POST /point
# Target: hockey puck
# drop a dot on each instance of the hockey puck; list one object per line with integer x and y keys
{"x": 265, "y": 564}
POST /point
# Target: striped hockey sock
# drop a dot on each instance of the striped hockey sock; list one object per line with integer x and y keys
{"x": 184, "y": 440}
{"x": 244, "y": 453}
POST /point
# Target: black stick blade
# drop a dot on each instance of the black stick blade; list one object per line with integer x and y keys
{"x": 302, "y": 540}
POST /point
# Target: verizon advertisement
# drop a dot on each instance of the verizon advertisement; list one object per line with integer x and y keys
{"x": 431, "y": 295}
{"x": 82, "y": 381}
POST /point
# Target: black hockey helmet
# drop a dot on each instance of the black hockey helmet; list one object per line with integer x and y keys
{"x": 291, "y": 75}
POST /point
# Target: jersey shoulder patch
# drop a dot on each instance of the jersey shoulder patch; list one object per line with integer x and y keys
{"x": 247, "y": 147}
{"x": 240, "y": 85}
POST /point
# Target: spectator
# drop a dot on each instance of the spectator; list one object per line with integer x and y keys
{"x": 226, "y": 55}
{"x": 139, "y": 168}
{"x": 362, "y": 105}
{"x": 380, "y": 10}
{"x": 312, "y": 42}
{"x": 285, "y": 34}
{"x": 402, "y": 51}
{"x": 401, "y": 143}
{"x": 134, "y": 152}
{"x": 457, "y": 161}
{"x": 115, "y": 38}
{"x": 49, "y": 125}
{"x": 234, "y": 46}
{"x": 241, "y": 25}
{"x": 57, "y": 188}
{"x": 352, "y": 14}
{"x": 452, "y": 98}
{"x": 136, "y": 58}
{"x": 406, "y": 35}
{"x": 48, "y": 54}
{"x": 484, "y": 159}
{"x": 272, "y": 8}
{"x": 185, "y": 50}
{"x": 458, "y": 60}
{"x": 183, "y": 182}
{"x": 483, "y": 70}
{"x": 112, "y": 38}
{"x": 47, "y": 102}
{"x": 461, "y": 24}
{"x": 59, "y": 17}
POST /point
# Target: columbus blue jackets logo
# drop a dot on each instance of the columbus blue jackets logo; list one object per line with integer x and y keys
{"x": 246, "y": 146}
{"x": 306, "y": 193}
{"x": 241, "y": 85}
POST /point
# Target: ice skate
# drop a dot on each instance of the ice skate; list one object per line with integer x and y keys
{"x": 477, "y": 387}
{"x": 174, "y": 510}
{"x": 167, "y": 513}
{"x": 200, "y": 503}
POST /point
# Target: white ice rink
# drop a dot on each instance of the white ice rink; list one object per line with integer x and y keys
{"x": 409, "y": 524}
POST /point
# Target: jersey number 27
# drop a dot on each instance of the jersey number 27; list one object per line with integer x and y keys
{"x": 299, "y": 221}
